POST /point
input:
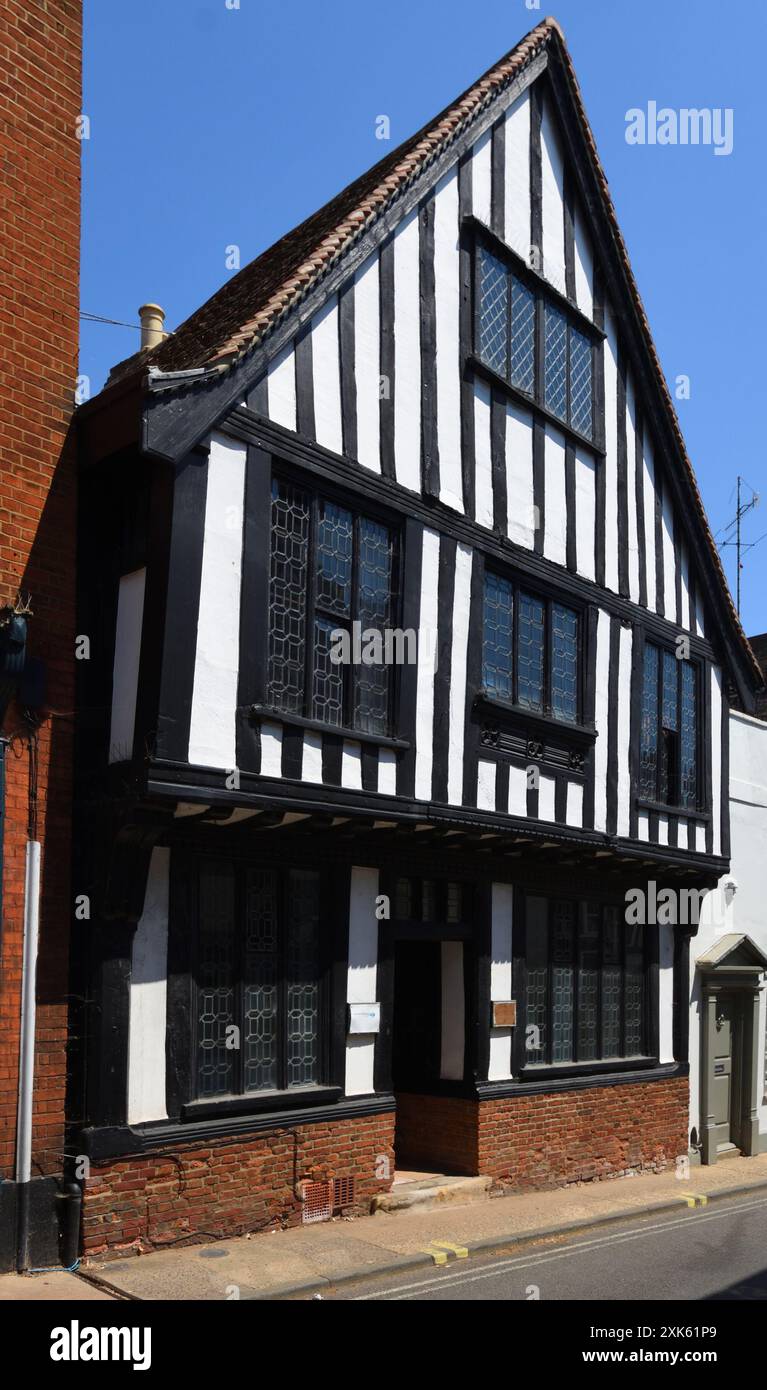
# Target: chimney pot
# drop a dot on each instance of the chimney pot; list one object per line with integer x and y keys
{"x": 152, "y": 318}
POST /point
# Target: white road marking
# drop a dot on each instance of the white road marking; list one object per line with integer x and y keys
{"x": 547, "y": 1257}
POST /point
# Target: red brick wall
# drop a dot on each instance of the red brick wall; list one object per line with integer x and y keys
{"x": 231, "y": 1186}
{"x": 542, "y": 1141}
{"x": 437, "y": 1132}
{"x": 40, "y": 99}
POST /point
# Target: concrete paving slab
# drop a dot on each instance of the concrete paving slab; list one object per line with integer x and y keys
{"x": 58, "y": 1285}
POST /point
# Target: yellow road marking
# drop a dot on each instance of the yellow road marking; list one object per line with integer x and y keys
{"x": 695, "y": 1199}
{"x": 439, "y": 1256}
{"x": 460, "y": 1251}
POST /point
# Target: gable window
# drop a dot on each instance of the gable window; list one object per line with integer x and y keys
{"x": 586, "y": 983}
{"x": 561, "y": 376}
{"x": 332, "y": 571}
{"x": 668, "y": 754}
{"x": 530, "y": 650}
{"x": 256, "y": 970}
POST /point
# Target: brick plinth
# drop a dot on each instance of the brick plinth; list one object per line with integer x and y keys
{"x": 539, "y": 1141}
{"x": 231, "y": 1186}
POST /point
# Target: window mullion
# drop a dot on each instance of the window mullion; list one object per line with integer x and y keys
{"x": 600, "y": 1040}
{"x": 548, "y": 640}
{"x": 540, "y": 350}
{"x": 567, "y": 372}
{"x": 578, "y": 914}
{"x": 514, "y": 644}
{"x": 282, "y": 986}
{"x": 678, "y": 788}
{"x": 509, "y": 330}
{"x": 239, "y": 956}
{"x": 311, "y": 596}
{"x": 350, "y": 675}
{"x": 549, "y": 986}
{"x": 622, "y": 938}
{"x": 659, "y": 729}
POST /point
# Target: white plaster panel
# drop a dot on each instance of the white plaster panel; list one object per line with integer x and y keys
{"x": 407, "y": 351}
{"x": 125, "y": 669}
{"x": 212, "y": 740}
{"x": 447, "y": 285}
{"x": 367, "y": 362}
{"x": 326, "y": 376}
{"x": 148, "y": 994}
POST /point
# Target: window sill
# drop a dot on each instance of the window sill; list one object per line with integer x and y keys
{"x": 261, "y": 1101}
{"x": 664, "y": 809}
{"x": 298, "y": 721}
{"x": 542, "y": 723}
{"x": 522, "y": 398}
{"x": 539, "y": 1071}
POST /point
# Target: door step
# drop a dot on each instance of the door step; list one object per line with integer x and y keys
{"x": 727, "y": 1151}
{"x": 432, "y": 1192}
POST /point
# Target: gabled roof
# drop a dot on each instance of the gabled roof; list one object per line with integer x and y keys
{"x": 249, "y": 306}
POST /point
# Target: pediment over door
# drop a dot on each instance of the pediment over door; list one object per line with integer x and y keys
{"x": 734, "y": 951}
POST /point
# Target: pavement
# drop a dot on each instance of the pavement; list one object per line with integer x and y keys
{"x": 309, "y": 1260}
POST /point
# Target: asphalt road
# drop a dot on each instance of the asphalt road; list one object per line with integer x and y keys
{"x": 716, "y": 1252}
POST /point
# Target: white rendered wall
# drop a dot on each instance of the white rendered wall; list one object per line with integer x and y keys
{"x": 744, "y": 911}
{"x": 148, "y": 995}
{"x": 130, "y": 616}
{"x": 212, "y": 740}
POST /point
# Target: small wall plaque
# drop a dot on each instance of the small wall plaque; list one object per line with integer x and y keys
{"x": 363, "y": 1018}
{"x": 505, "y": 1013}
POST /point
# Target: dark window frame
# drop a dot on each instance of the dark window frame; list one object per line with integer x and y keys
{"x": 545, "y": 296}
{"x": 182, "y": 1038}
{"x": 549, "y": 598}
{"x": 673, "y": 804}
{"x": 535, "y": 1070}
{"x": 318, "y": 491}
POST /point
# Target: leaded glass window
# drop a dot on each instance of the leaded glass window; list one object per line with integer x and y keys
{"x": 648, "y": 741}
{"x": 498, "y": 636}
{"x": 585, "y": 994}
{"x": 337, "y": 584}
{"x": 688, "y": 738}
{"x": 288, "y": 591}
{"x": 581, "y": 388}
{"x": 215, "y": 979}
{"x": 588, "y": 984}
{"x": 258, "y": 979}
{"x": 509, "y": 306}
{"x": 555, "y": 363}
{"x": 668, "y": 750}
{"x": 493, "y": 311}
{"x": 537, "y": 992}
{"x": 564, "y": 662}
{"x": 562, "y": 981}
{"x": 531, "y": 651}
{"x": 522, "y": 336}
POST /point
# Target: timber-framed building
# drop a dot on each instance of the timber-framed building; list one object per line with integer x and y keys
{"x": 349, "y": 916}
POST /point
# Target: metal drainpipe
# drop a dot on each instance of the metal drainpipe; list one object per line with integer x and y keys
{"x": 27, "y": 1051}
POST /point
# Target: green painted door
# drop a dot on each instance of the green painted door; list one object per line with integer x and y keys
{"x": 723, "y": 1082}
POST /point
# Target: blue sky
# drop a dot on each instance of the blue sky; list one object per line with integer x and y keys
{"x": 213, "y": 126}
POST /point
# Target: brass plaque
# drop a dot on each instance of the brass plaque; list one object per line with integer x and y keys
{"x": 505, "y": 1014}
